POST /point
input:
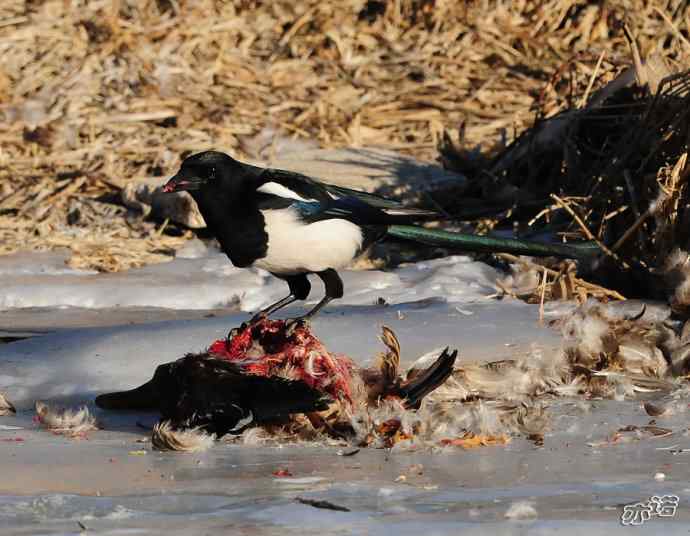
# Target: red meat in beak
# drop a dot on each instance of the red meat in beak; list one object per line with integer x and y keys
{"x": 175, "y": 184}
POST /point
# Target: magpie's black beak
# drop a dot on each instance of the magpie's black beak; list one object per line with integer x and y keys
{"x": 179, "y": 183}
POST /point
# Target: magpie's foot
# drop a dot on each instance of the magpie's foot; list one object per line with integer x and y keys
{"x": 258, "y": 317}
{"x": 293, "y": 323}
{"x": 236, "y": 331}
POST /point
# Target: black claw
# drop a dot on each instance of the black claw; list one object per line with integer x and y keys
{"x": 236, "y": 331}
{"x": 293, "y": 323}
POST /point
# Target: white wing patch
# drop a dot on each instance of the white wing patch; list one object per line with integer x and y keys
{"x": 275, "y": 188}
{"x": 296, "y": 247}
{"x": 409, "y": 211}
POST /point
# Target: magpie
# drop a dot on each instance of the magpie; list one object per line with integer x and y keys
{"x": 292, "y": 225}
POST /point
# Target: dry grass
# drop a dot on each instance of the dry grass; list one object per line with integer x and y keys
{"x": 94, "y": 94}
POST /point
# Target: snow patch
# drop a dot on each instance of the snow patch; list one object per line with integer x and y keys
{"x": 202, "y": 277}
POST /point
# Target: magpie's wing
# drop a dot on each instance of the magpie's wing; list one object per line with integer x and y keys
{"x": 389, "y": 206}
{"x": 370, "y": 199}
{"x": 317, "y": 201}
{"x": 292, "y": 185}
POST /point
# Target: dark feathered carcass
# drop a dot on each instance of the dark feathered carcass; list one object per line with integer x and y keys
{"x": 265, "y": 373}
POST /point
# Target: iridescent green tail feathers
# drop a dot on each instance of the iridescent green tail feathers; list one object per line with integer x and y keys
{"x": 489, "y": 244}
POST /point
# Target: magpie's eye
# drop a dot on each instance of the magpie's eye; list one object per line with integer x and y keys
{"x": 212, "y": 174}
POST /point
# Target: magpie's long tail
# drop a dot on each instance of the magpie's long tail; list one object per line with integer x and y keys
{"x": 489, "y": 244}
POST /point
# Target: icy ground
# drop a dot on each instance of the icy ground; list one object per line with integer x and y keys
{"x": 203, "y": 278}
{"x": 106, "y": 332}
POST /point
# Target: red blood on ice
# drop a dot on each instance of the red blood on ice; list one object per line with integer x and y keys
{"x": 281, "y": 473}
{"x": 267, "y": 349}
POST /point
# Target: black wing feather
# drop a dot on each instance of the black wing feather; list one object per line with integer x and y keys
{"x": 370, "y": 199}
{"x": 336, "y": 202}
{"x": 199, "y": 390}
{"x": 416, "y": 388}
{"x": 302, "y": 185}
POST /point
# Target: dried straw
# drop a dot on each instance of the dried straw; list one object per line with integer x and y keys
{"x": 96, "y": 94}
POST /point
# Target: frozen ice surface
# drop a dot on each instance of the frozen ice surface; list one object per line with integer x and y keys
{"x": 76, "y": 364}
{"x": 50, "y": 484}
{"x": 116, "y": 337}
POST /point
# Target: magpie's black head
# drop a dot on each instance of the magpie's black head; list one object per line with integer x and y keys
{"x": 208, "y": 171}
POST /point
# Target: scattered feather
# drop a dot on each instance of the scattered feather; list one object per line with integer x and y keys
{"x": 655, "y": 409}
{"x": 164, "y": 437}
{"x": 65, "y": 421}
{"x": 521, "y": 510}
{"x": 6, "y": 407}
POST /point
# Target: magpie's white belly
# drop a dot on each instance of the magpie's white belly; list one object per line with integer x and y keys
{"x": 297, "y": 247}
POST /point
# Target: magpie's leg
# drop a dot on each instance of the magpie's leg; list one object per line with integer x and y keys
{"x": 283, "y": 302}
{"x": 299, "y": 290}
{"x": 334, "y": 290}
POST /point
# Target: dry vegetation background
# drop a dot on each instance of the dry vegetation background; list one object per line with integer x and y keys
{"x": 97, "y": 93}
